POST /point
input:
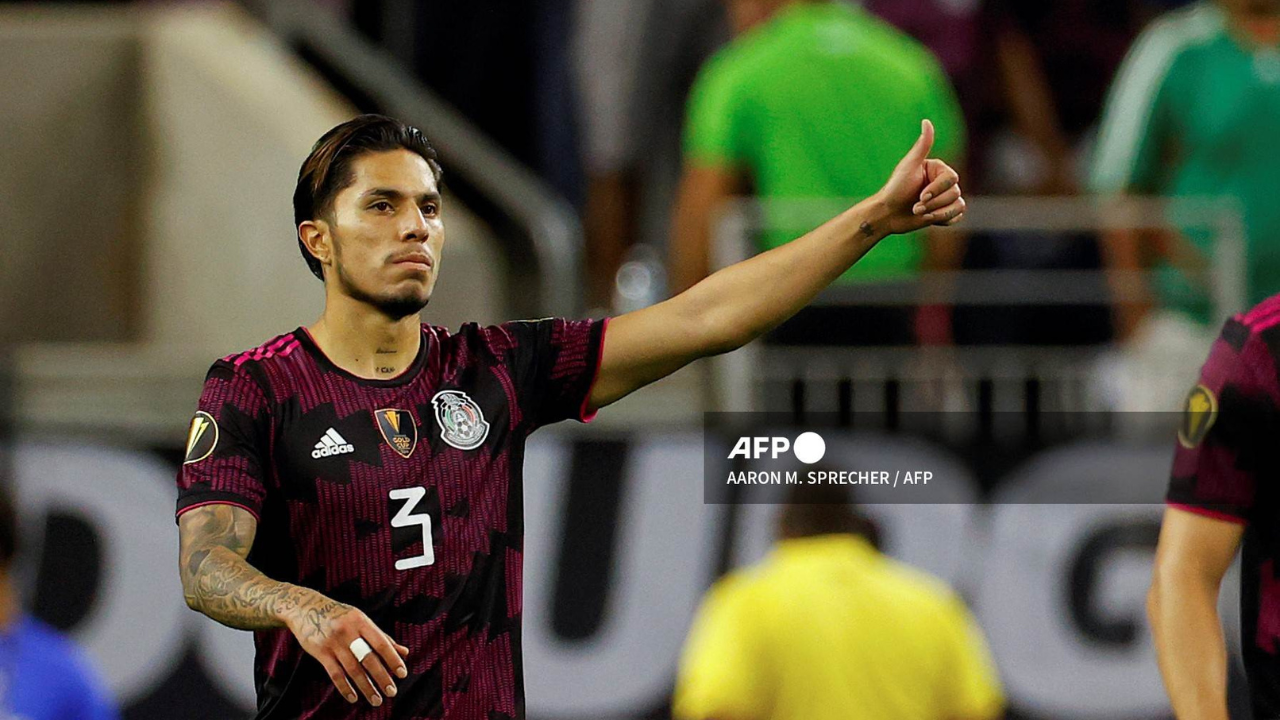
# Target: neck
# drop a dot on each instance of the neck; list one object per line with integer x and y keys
{"x": 363, "y": 341}
{"x": 9, "y": 606}
{"x": 1257, "y": 29}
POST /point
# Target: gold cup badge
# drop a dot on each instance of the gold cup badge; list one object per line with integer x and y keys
{"x": 399, "y": 430}
{"x": 1198, "y": 416}
{"x": 202, "y": 438}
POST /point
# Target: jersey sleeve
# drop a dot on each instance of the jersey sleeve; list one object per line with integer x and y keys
{"x": 720, "y": 667}
{"x": 1225, "y": 441}
{"x": 972, "y": 686}
{"x": 555, "y": 363}
{"x": 1135, "y": 124}
{"x": 226, "y": 443}
{"x": 714, "y": 131}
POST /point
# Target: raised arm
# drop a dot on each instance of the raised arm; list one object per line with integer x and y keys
{"x": 218, "y": 581}
{"x": 1193, "y": 554}
{"x": 743, "y": 301}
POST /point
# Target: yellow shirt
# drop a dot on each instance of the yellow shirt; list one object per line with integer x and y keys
{"x": 827, "y": 627}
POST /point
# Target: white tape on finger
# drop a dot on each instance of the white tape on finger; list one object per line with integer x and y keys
{"x": 360, "y": 649}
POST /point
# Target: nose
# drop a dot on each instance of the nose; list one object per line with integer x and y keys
{"x": 416, "y": 226}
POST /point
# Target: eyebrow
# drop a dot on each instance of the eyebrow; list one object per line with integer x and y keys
{"x": 393, "y": 194}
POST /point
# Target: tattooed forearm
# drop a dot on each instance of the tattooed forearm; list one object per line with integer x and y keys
{"x": 217, "y": 581}
{"x": 232, "y": 592}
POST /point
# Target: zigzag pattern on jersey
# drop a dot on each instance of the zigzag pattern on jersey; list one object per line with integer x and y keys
{"x": 281, "y": 345}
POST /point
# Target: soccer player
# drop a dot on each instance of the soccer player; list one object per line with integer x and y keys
{"x": 352, "y": 489}
{"x": 1223, "y": 494}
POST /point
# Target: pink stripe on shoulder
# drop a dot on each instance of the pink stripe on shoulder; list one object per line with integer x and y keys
{"x": 1265, "y": 310}
{"x": 282, "y": 346}
{"x": 1209, "y": 513}
{"x": 1265, "y": 322}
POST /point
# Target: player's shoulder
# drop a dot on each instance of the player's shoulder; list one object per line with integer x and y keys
{"x": 1178, "y": 31}
{"x": 889, "y": 38}
{"x": 471, "y": 342}
{"x": 749, "y": 58}
{"x": 739, "y": 587}
{"x": 1246, "y": 353}
{"x": 277, "y": 348}
{"x": 252, "y": 364}
{"x": 1259, "y": 326}
{"x": 1196, "y": 20}
{"x": 1260, "y": 317}
{"x": 511, "y": 331}
{"x": 723, "y": 73}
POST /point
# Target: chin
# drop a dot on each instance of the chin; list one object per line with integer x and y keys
{"x": 403, "y": 306}
{"x": 402, "y": 302}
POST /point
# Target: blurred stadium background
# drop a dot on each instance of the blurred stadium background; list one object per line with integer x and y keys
{"x": 147, "y": 160}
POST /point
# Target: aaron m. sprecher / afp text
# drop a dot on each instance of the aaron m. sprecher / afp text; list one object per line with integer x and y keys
{"x": 831, "y": 477}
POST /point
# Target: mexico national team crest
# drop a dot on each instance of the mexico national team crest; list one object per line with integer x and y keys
{"x": 462, "y": 425}
{"x": 1198, "y": 416}
{"x": 399, "y": 430}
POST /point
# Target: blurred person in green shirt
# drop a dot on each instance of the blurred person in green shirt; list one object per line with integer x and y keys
{"x": 1194, "y": 112}
{"x": 813, "y": 100}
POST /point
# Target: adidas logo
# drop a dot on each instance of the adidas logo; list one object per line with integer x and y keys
{"x": 331, "y": 443}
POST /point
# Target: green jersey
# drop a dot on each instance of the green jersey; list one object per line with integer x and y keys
{"x": 1196, "y": 112}
{"x": 820, "y": 103}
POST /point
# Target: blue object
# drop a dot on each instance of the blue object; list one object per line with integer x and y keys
{"x": 45, "y": 676}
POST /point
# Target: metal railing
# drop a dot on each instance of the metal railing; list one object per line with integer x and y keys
{"x": 549, "y": 222}
{"x": 826, "y": 378}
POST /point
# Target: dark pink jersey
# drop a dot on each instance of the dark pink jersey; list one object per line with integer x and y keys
{"x": 402, "y": 497}
{"x": 1227, "y": 466}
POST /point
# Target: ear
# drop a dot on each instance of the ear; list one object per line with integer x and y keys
{"x": 315, "y": 236}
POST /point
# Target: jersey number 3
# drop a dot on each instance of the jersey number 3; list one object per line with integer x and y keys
{"x": 406, "y": 518}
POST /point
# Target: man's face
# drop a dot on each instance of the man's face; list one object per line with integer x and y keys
{"x": 387, "y": 233}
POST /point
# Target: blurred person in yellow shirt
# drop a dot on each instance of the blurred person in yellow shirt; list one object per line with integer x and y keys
{"x": 829, "y": 627}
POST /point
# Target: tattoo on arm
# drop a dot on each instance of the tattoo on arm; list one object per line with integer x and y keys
{"x": 866, "y": 229}
{"x": 216, "y": 579}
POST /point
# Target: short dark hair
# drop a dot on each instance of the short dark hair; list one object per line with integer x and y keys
{"x": 327, "y": 170}
{"x": 823, "y": 509}
{"x": 8, "y": 528}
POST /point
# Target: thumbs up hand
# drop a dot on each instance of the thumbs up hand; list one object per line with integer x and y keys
{"x": 922, "y": 191}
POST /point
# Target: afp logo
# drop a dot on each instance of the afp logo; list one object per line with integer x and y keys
{"x": 809, "y": 447}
